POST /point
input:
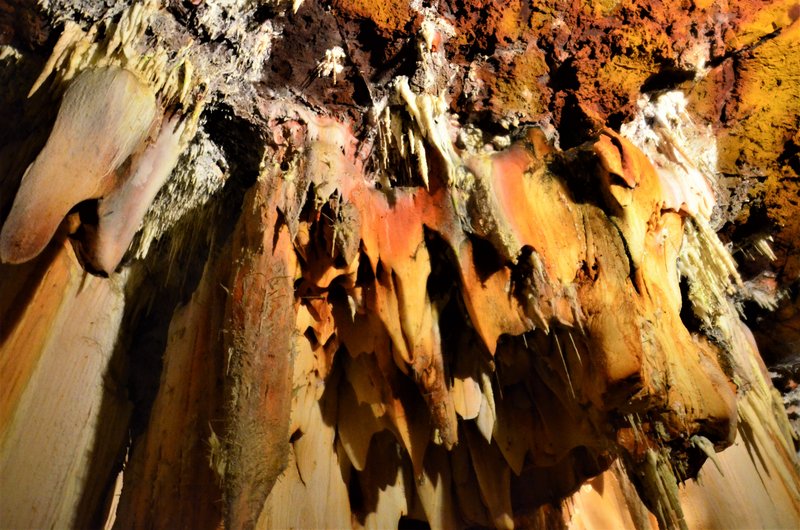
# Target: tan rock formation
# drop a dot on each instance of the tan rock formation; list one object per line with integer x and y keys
{"x": 369, "y": 264}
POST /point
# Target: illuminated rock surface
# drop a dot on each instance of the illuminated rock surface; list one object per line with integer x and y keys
{"x": 460, "y": 263}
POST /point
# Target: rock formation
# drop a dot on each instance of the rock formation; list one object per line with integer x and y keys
{"x": 455, "y": 263}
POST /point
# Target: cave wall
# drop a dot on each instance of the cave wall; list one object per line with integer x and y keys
{"x": 342, "y": 263}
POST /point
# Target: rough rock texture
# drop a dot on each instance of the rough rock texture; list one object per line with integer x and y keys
{"x": 353, "y": 263}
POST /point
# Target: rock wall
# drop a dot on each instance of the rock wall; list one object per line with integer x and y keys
{"x": 462, "y": 263}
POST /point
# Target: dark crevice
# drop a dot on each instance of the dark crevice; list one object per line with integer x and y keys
{"x": 486, "y": 258}
{"x": 522, "y": 274}
{"x": 356, "y": 497}
{"x": 667, "y": 78}
{"x": 564, "y": 77}
{"x": 241, "y": 141}
{"x": 485, "y": 121}
{"x": 616, "y": 119}
{"x": 790, "y": 156}
{"x": 689, "y": 319}
{"x": 364, "y": 275}
{"x": 574, "y": 127}
{"x": 407, "y": 523}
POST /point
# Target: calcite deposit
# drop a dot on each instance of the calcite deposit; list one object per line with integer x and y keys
{"x": 374, "y": 264}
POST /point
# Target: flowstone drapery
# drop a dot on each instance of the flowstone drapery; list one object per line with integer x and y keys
{"x": 330, "y": 264}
